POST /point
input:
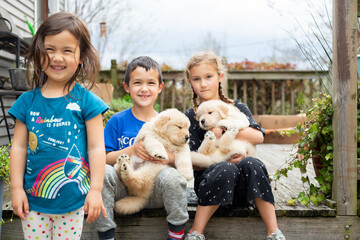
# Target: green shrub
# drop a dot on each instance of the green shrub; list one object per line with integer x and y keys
{"x": 117, "y": 105}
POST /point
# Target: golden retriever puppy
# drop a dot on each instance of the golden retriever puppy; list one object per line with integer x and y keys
{"x": 169, "y": 129}
{"x": 216, "y": 113}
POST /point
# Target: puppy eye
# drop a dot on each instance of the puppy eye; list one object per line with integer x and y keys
{"x": 179, "y": 127}
{"x": 210, "y": 112}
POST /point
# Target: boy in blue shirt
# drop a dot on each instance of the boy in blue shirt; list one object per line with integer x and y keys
{"x": 143, "y": 81}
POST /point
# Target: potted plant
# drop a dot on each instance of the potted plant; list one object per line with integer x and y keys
{"x": 18, "y": 78}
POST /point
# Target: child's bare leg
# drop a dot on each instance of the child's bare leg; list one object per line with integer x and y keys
{"x": 267, "y": 212}
{"x": 202, "y": 217}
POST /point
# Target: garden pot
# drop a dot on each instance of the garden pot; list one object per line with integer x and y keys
{"x": 318, "y": 165}
{"x": 18, "y": 79}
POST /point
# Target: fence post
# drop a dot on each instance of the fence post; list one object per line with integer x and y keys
{"x": 113, "y": 77}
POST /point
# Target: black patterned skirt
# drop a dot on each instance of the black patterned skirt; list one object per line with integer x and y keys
{"x": 237, "y": 185}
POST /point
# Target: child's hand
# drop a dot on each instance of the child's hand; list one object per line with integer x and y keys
{"x": 140, "y": 151}
{"x": 169, "y": 161}
{"x": 20, "y": 203}
{"x": 218, "y": 131}
{"x": 94, "y": 205}
{"x": 236, "y": 158}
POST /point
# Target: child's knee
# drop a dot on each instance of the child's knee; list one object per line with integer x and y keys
{"x": 171, "y": 178}
{"x": 251, "y": 163}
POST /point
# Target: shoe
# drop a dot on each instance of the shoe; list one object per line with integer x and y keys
{"x": 194, "y": 236}
{"x": 277, "y": 235}
{"x": 109, "y": 234}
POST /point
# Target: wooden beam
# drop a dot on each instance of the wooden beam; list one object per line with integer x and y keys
{"x": 235, "y": 90}
{"x": 254, "y": 88}
{"x": 345, "y": 103}
{"x": 275, "y": 75}
{"x": 113, "y": 79}
{"x": 173, "y": 92}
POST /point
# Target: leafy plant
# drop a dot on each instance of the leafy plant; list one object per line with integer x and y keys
{"x": 316, "y": 142}
{"x": 5, "y": 163}
{"x": 250, "y": 65}
{"x": 117, "y": 105}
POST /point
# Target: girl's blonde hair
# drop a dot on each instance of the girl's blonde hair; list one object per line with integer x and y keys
{"x": 215, "y": 61}
{"x": 89, "y": 68}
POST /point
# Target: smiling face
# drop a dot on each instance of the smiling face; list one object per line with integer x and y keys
{"x": 64, "y": 54}
{"x": 143, "y": 86}
{"x": 205, "y": 80}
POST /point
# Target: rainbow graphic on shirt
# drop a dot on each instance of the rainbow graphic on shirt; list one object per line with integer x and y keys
{"x": 55, "y": 175}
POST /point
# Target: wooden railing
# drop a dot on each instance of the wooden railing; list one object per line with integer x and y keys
{"x": 265, "y": 92}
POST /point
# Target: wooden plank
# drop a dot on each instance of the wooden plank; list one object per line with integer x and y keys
{"x": 292, "y": 99}
{"x": 245, "y": 92}
{"x": 273, "y": 104}
{"x": 173, "y": 92}
{"x": 344, "y": 75}
{"x": 235, "y": 90}
{"x": 254, "y": 88}
{"x": 162, "y": 98}
{"x": 274, "y": 75}
{"x": 329, "y": 228}
{"x": 283, "y": 98}
{"x": 184, "y": 95}
{"x": 263, "y": 95}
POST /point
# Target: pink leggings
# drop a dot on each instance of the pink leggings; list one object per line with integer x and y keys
{"x": 53, "y": 226}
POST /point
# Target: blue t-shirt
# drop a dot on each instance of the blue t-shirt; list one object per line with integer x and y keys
{"x": 57, "y": 174}
{"x": 121, "y": 130}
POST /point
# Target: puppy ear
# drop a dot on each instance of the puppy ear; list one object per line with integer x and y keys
{"x": 161, "y": 123}
{"x": 224, "y": 111}
{"x": 197, "y": 117}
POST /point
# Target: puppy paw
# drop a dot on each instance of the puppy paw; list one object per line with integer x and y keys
{"x": 233, "y": 131}
{"x": 123, "y": 157}
{"x": 225, "y": 124}
{"x": 124, "y": 162}
{"x": 188, "y": 174}
{"x": 210, "y": 135}
{"x": 161, "y": 155}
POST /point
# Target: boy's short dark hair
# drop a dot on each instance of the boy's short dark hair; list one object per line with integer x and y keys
{"x": 145, "y": 62}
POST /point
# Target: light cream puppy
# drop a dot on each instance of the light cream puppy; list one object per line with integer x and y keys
{"x": 216, "y": 113}
{"x": 169, "y": 129}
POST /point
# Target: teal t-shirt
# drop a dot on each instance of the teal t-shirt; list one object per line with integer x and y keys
{"x": 57, "y": 174}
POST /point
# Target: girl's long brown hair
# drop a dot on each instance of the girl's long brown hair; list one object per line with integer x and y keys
{"x": 37, "y": 56}
{"x": 211, "y": 58}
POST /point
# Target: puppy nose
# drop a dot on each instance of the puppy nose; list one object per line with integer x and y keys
{"x": 187, "y": 137}
{"x": 202, "y": 121}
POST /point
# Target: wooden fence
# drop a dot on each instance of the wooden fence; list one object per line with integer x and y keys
{"x": 265, "y": 92}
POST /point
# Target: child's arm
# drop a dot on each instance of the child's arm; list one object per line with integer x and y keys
{"x": 139, "y": 149}
{"x": 17, "y": 169}
{"x": 96, "y": 150}
{"x": 112, "y": 156}
{"x": 252, "y": 135}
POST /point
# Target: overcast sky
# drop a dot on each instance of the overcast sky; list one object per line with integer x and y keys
{"x": 174, "y": 30}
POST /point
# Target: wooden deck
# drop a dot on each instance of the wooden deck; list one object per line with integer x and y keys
{"x": 296, "y": 222}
